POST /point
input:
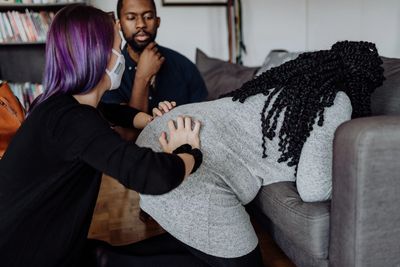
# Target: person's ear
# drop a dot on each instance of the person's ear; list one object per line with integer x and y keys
{"x": 118, "y": 24}
{"x": 158, "y": 21}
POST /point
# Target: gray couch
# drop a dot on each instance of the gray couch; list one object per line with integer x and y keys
{"x": 360, "y": 226}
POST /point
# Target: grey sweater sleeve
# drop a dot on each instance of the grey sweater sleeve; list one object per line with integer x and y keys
{"x": 314, "y": 173}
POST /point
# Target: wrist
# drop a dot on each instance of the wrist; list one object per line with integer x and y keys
{"x": 195, "y": 152}
{"x": 141, "y": 120}
{"x": 142, "y": 78}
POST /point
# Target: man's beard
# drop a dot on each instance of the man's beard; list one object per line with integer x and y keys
{"x": 139, "y": 47}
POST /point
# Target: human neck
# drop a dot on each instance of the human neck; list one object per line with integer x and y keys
{"x": 92, "y": 98}
{"x": 133, "y": 54}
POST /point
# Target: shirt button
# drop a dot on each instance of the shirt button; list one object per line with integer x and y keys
{"x": 150, "y": 98}
{"x": 130, "y": 68}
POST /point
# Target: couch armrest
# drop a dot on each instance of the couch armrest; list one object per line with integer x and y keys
{"x": 365, "y": 207}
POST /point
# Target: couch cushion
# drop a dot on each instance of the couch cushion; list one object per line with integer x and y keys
{"x": 305, "y": 224}
{"x": 386, "y": 99}
{"x": 220, "y": 76}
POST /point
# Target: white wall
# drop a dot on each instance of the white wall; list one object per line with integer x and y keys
{"x": 372, "y": 20}
{"x": 296, "y": 25}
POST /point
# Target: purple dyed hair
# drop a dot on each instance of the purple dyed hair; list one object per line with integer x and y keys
{"x": 78, "y": 45}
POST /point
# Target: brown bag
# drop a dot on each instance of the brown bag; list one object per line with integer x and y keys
{"x": 12, "y": 114}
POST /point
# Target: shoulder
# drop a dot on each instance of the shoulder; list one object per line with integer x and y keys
{"x": 341, "y": 106}
{"x": 174, "y": 56}
{"x": 72, "y": 108}
{"x": 180, "y": 66}
{"x": 65, "y": 113}
{"x": 342, "y": 99}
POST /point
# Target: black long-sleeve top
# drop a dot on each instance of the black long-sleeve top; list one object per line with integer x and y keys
{"x": 50, "y": 177}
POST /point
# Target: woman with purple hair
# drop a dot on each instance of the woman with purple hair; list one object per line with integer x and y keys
{"x": 51, "y": 173}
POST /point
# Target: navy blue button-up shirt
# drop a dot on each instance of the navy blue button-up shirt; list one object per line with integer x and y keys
{"x": 177, "y": 80}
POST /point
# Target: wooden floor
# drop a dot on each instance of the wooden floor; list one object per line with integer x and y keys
{"x": 116, "y": 221}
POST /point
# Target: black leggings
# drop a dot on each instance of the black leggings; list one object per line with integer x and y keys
{"x": 165, "y": 251}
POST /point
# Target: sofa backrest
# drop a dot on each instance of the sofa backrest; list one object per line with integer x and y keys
{"x": 222, "y": 77}
{"x": 386, "y": 98}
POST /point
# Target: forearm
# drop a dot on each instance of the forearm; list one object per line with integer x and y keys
{"x": 153, "y": 174}
{"x": 192, "y": 157}
{"x": 188, "y": 160}
{"x": 120, "y": 115}
{"x": 140, "y": 94}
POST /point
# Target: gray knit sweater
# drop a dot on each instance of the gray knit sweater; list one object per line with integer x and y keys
{"x": 206, "y": 211}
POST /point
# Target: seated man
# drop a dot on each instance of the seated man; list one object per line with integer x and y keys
{"x": 153, "y": 73}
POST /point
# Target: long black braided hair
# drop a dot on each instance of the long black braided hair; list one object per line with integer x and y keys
{"x": 305, "y": 86}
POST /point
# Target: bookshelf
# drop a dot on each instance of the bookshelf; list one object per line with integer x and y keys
{"x": 23, "y": 28}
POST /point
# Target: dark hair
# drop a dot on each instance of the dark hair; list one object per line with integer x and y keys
{"x": 78, "y": 45}
{"x": 121, "y": 2}
{"x": 305, "y": 86}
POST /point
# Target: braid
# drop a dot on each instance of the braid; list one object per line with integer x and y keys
{"x": 305, "y": 86}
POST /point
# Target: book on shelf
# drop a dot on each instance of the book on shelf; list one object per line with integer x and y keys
{"x": 26, "y": 92}
{"x": 4, "y": 29}
{"x": 16, "y": 33}
{"x": 25, "y": 26}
